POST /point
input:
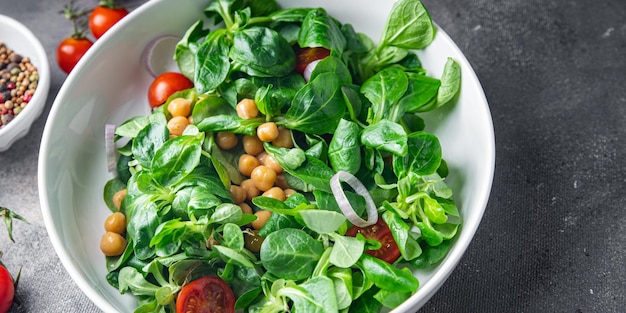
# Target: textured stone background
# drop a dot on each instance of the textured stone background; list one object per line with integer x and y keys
{"x": 553, "y": 238}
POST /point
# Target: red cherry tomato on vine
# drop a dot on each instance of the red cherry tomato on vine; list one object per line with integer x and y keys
{"x": 7, "y": 289}
{"x": 389, "y": 251}
{"x": 70, "y": 50}
{"x": 102, "y": 18}
{"x": 304, "y": 56}
{"x": 209, "y": 294}
{"x": 165, "y": 85}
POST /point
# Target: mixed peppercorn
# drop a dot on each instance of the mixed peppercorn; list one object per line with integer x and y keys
{"x": 18, "y": 81}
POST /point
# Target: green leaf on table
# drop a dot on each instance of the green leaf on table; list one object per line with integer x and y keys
{"x": 8, "y": 216}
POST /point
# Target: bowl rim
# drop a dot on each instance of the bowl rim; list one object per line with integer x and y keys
{"x": 420, "y": 297}
{"x": 43, "y": 70}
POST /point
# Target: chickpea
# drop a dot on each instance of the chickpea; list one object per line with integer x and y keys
{"x": 116, "y": 223}
{"x": 252, "y": 241}
{"x": 246, "y": 109}
{"x": 238, "y": 194}
{"x": 112, "y": 244}
{"x": 179, "y": 107}
{"x": 281, "y": 182}
{"x": 267, "y": 131}
{"x": 118, "y": 197}
{"x": 251, "y": 190}
{"x": 263, "y": 177}
{"x": 247, "y": 163}
{"x": 262, "y": 217}
{"x": 226, "y": 140}
{"x": 245, "y": 208}
{"x": 177, "y": 125}
{"x": 261, "y": 156}
{"x": 252, "y": 145}
{"x": 276, "y": 193}
{"x": 269, "y": 161}
{"x": 284, "y": 139}
{"x": 289, "y": 192}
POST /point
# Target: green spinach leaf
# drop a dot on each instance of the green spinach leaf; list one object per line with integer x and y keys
{"x": 384, "y": 90}
{"x": 318, "y": 107}
{"x": 319, "y": 30}
{"x": 187, "y": 48}
{"x": 387, "y": 276}
{"x": 211, "y": 63}
{"x": 344, "y": 150}
{"x": 148, "y": 141}
{"x": 385, "y": 136}
{"x": 423, "y": 156}
{"x": 409, "y": 26}
{"x": 261, "y": 51}
{"x": 290, "y": 253}
{"x": 176, "y": 159}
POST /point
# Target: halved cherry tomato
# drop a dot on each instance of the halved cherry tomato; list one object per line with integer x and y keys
{"x": 165, "y": 85}
{"x": 7, "y": 289}
{"x": 389, "y": 251}
{"x": 102, "y": 18}
{"x": 70, "y": 50}
{"x": 208, "y": 294}
{"x": 304, "y": 56}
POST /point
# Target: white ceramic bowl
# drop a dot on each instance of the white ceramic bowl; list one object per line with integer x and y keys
{"x": 21, "y": 40}
{"x": 109, "y": 85}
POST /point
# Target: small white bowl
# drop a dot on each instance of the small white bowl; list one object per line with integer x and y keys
{"x": 22, "y": 41}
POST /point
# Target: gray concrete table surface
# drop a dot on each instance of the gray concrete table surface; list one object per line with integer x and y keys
{"x": 553, "y": 237}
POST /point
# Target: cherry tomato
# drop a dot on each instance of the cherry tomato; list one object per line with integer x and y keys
{"x": 389, "y": 251}
{"x": 102, "y": 18}
{"x": 7, "y": 289}
{"x": 70, "y": 50}
{"x": 208, "y": 294}
{"x": 165, "y": 85}
{"x": 304, "y": 56}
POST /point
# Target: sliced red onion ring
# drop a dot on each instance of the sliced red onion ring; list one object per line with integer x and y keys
{"x": 344, "y": 204}
{"x": 157, "y": 56}
{"x": 308, "y": 70}
{"x": 109, "y": 145}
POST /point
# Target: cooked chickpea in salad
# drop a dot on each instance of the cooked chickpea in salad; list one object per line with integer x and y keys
{"x": 287, "y": 168}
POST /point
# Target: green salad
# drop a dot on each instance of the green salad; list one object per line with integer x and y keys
{"x": 295, "y": 175}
